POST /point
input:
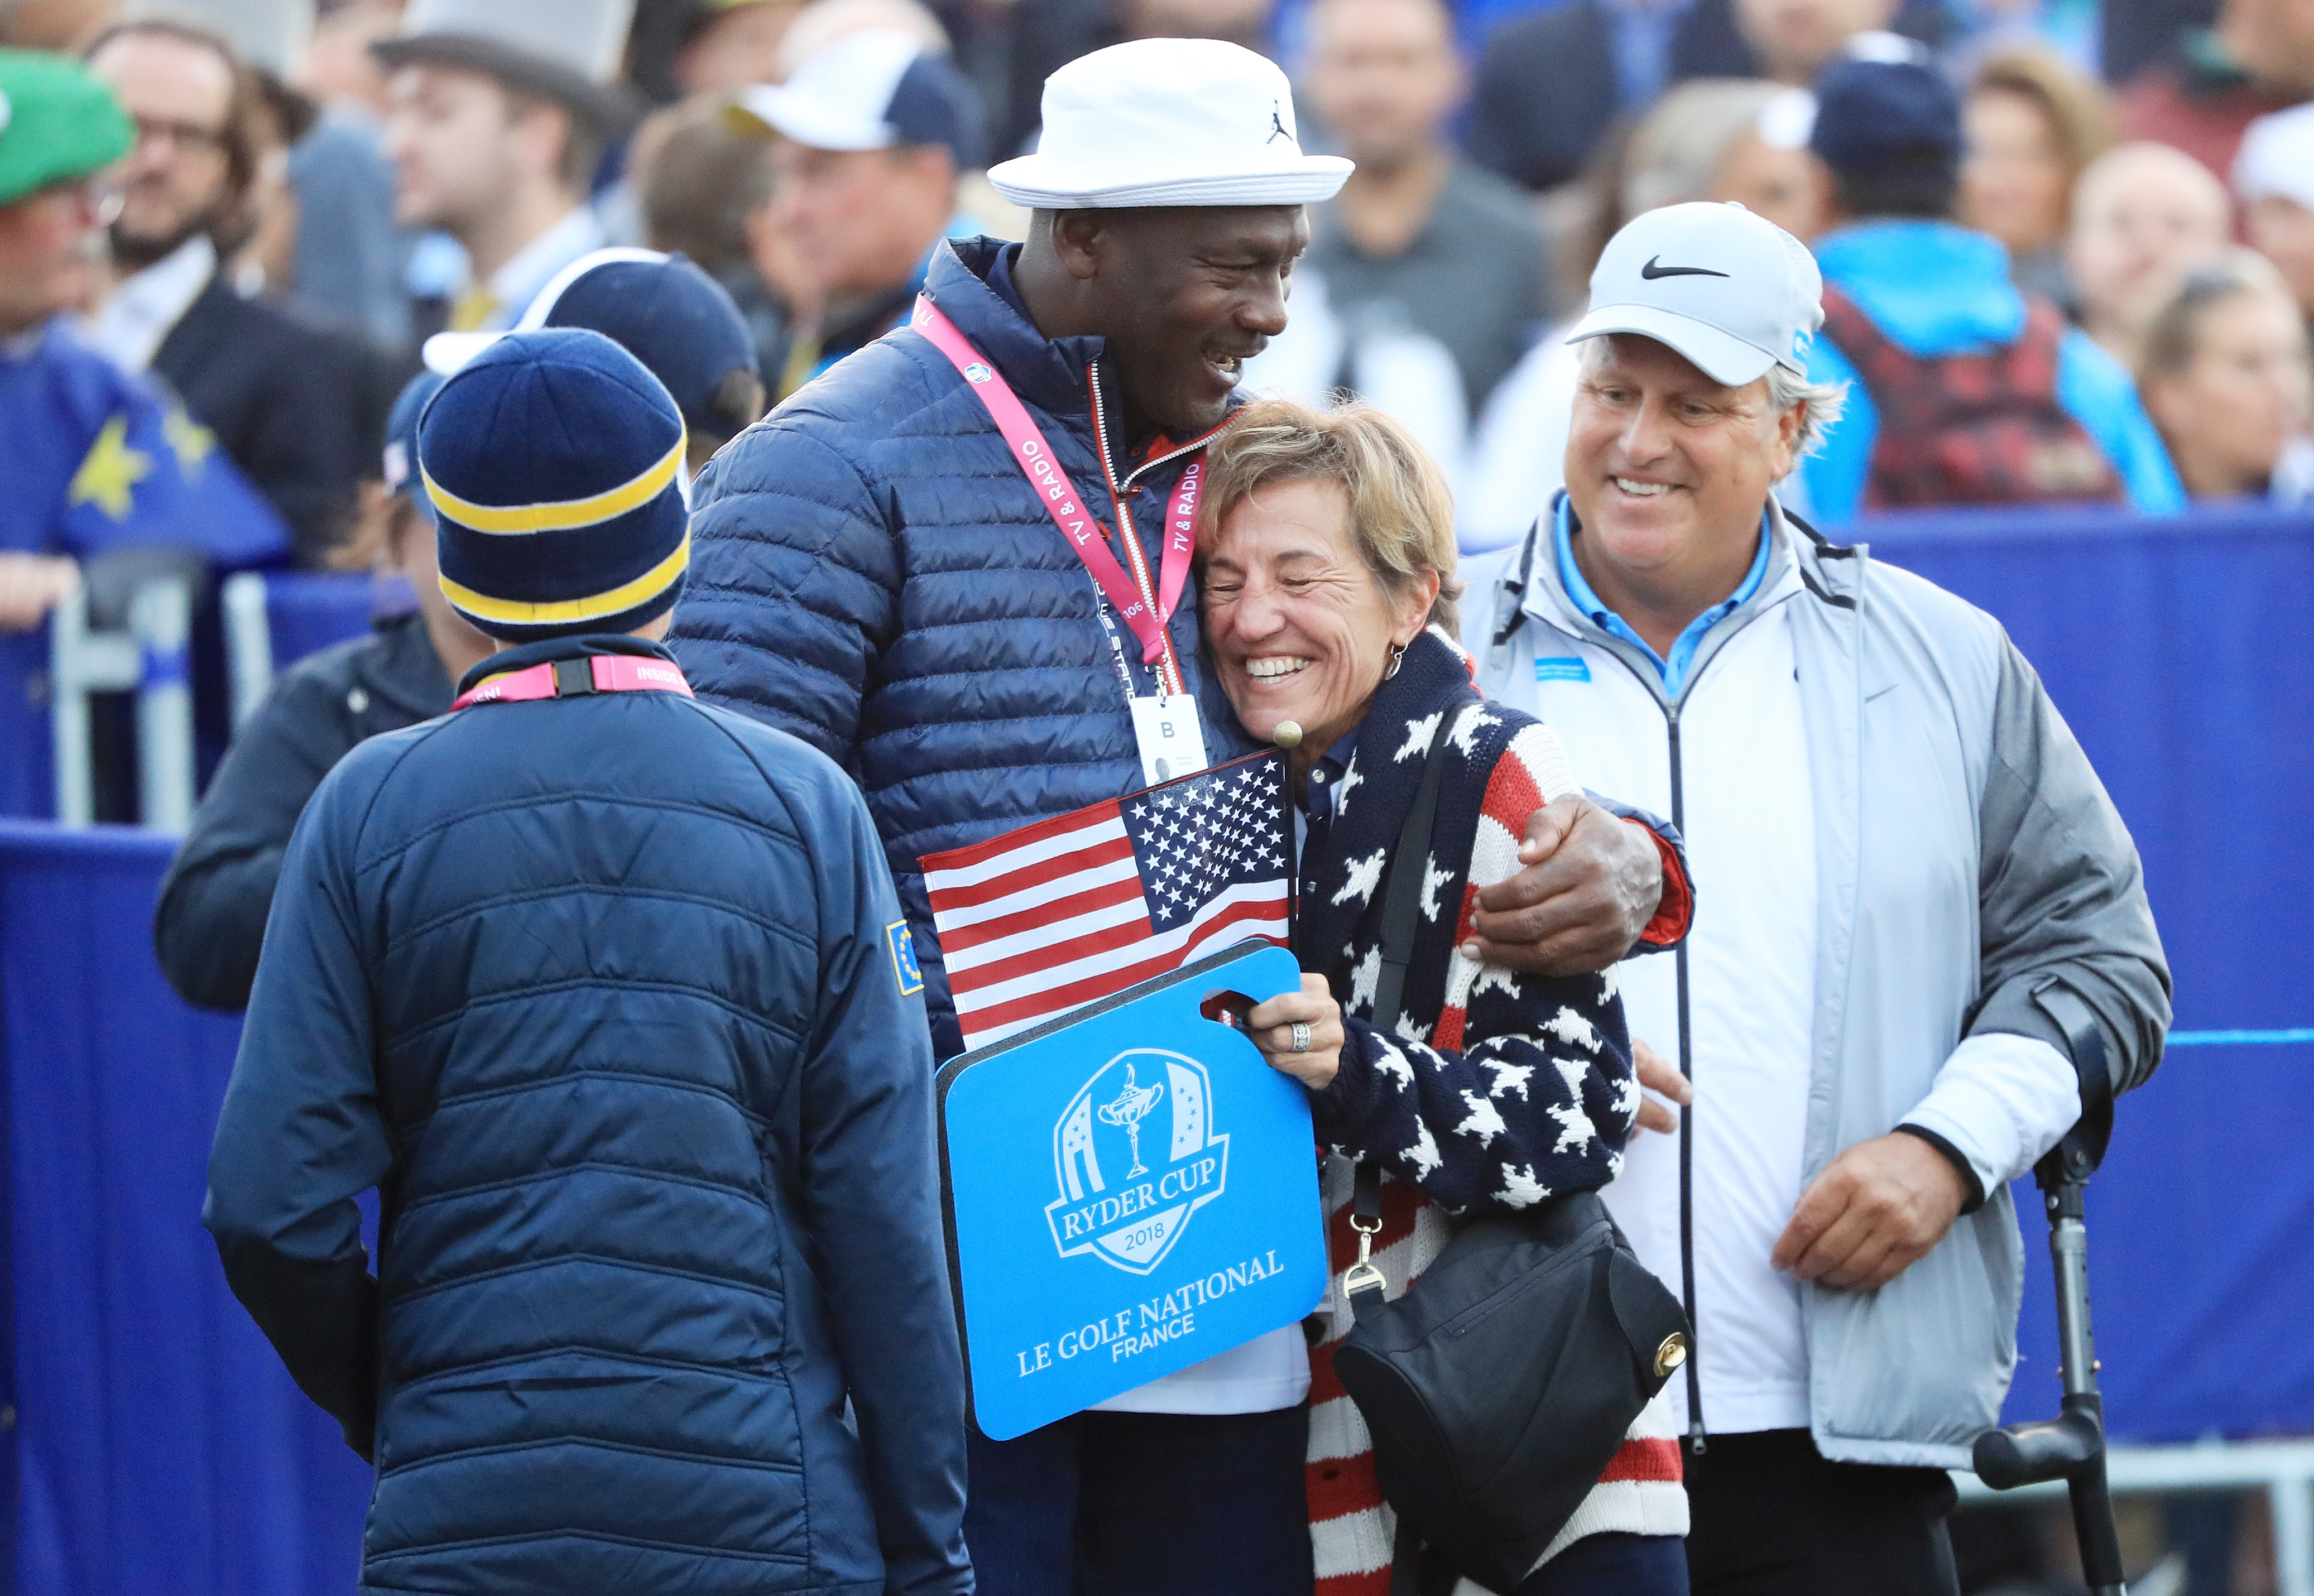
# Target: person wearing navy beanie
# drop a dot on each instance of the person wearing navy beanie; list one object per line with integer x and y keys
{"x": 553, "y": 464}
{"x": 608, "y": 994}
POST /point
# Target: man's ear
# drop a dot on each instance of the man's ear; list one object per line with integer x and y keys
{"x": 1791, "y": 425}
{"x": 1079, "y": 241}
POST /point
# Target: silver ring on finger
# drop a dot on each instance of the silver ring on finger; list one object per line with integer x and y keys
{"x": 1301, "y": 1043}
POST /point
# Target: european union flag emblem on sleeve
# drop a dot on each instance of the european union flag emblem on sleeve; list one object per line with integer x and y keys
{"x": 902, "y": 943}
{"x": 1130, "y": 1190}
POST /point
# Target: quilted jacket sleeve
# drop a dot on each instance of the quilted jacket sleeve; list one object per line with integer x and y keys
{"x": 872, "y": 1199}
{"x": 793, "y": 590}
{"x": 301, "y": 1132}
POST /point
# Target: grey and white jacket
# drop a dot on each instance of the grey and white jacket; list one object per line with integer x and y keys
{"x": 1899, "y": 841}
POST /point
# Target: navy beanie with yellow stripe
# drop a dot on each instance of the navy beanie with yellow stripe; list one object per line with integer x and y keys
{"x": 554, "y": 465}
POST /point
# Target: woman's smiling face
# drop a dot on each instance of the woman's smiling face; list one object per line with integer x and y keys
{"x": 1298, "y": 622}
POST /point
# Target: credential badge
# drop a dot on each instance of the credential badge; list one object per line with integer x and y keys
{"x": 1134, "y": 1156}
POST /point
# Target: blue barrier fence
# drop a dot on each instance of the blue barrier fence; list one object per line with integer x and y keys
{"x": 158, "y": 1447}
{"x": 2182, "y": 654}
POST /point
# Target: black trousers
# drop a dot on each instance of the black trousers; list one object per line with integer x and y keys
{"x": 1769, "y": 1517}
{"x": 1144, "y": 1505}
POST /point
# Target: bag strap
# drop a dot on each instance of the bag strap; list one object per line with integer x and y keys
{"x": 1401, "y": 905}
{"x": 1401, "y": 913}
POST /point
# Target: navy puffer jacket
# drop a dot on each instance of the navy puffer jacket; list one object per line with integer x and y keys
{"x": 871, "y": 571}
{"x": 601, "y": 993}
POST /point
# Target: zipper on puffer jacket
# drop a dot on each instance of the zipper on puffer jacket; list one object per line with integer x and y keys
{"x": 1118, "y": 489}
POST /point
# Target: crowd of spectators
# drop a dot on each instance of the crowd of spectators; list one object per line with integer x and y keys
{"x": 2103, "y": 211}
{"x": 310, "y": 196}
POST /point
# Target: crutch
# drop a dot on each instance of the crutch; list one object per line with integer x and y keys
{"x": 2070, "y": 1447}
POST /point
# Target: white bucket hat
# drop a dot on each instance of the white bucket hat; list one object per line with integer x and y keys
{"x": 1167, "y": 121}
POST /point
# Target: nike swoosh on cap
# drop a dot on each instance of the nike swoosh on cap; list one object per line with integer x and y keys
{"x": 1651, "y": 271}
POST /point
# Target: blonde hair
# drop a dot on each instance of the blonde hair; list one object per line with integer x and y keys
{"x": 2174, "y": 341}
{"x": 1401, "y": 511}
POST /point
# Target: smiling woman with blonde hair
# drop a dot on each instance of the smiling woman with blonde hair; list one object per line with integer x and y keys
{"x": 1327, "y": 545}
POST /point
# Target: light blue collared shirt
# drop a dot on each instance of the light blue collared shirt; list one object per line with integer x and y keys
{"x": 1673, "y": 670}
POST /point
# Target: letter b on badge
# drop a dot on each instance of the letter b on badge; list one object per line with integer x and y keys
{"x": 1171, "y": 739}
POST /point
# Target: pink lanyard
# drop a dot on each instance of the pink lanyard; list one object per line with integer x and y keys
{"x": 1147, "y": 612}
{"x": 609, "y": 673}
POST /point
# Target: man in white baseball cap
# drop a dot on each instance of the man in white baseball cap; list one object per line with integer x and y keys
{"x": 873, "y": 132}
{"x": 1921, "y": 905}
{"x": 873, "y": 571}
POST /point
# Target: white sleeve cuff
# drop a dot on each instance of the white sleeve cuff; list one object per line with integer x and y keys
{"x": 2004, "y": 1100}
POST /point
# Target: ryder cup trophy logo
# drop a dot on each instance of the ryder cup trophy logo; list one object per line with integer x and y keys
{"x": 1133, "y": 1157}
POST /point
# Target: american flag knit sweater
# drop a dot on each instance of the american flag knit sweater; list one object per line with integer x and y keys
{"x": 1496, "y": 1091}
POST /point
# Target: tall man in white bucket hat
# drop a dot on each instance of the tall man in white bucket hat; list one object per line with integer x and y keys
{"x": 872, "y": 572}
{"x": 1921, "y": 906}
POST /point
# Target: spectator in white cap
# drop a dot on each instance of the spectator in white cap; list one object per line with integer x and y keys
{"x": 1743, "y": 139}
{"x": 2274, "y": 177}
{"x": 871, "y": 134}
{"x": 498, "y": 114}
{"x": 1918, "y": 904}
{"x": 874, "y": 573}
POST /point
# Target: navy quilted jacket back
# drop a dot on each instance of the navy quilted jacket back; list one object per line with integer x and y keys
{"x": 603, "y": 993}
{"x": 871, "y": 572}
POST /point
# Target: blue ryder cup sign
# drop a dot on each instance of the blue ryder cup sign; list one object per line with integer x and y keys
{"x": 1130, "y": 1190}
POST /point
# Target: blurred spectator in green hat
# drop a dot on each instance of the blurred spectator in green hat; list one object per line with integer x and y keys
{"x": 96, "y": 462}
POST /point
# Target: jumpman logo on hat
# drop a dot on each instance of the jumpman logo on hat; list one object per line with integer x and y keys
{"x": 1277, "y": 124}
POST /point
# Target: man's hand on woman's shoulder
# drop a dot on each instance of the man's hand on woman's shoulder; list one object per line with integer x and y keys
{"x": 1591, "y": 884}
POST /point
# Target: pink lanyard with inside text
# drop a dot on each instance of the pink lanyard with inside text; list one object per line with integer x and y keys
{"x": 607, "y": 673}
{"x": 1145, "y": 611}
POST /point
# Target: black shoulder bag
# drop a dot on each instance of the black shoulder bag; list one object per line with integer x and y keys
{"x": 1499, "y": 1386}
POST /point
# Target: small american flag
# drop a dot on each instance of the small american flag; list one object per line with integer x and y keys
{"x": 1063, "y": 912}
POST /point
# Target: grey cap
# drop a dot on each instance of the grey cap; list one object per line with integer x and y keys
{"x": 569, "y": 50}
{"x": 1731, "y": 291}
